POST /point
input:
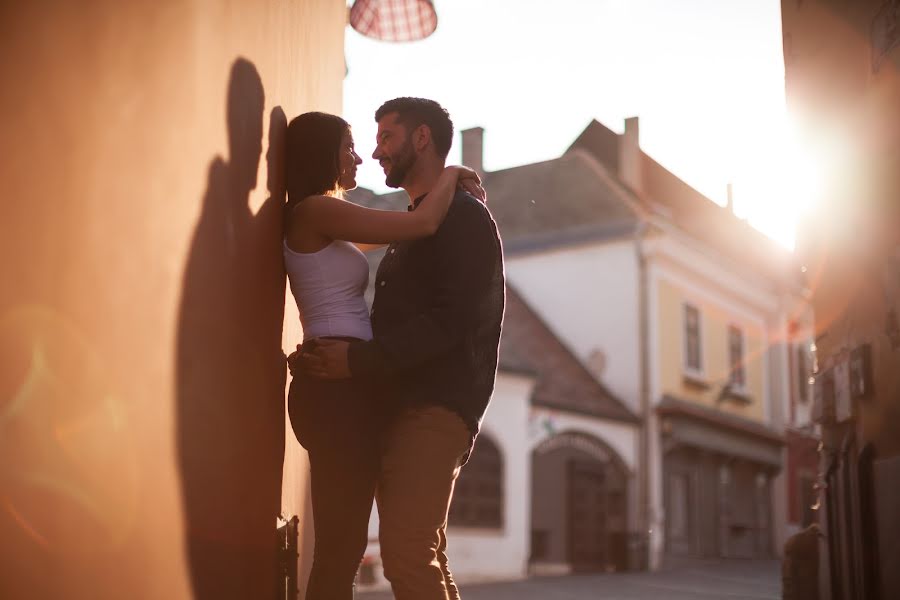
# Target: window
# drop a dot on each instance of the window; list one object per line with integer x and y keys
{"x": 478, "y": 496}
{"x": 802, "y": 375}
{"x": 679, "y": 504}
{"x": 737, "y": 376}
{"x": 692, "y": 350}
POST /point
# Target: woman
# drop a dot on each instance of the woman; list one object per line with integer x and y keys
{"x": 337, "y": 421}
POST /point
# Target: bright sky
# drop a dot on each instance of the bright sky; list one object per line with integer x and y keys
{"x": 706, "y": 78}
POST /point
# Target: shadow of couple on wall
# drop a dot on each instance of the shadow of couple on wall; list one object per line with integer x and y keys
{"x": 230, "y": 369}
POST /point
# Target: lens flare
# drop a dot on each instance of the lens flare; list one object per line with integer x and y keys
{"x": 67, "y": 458}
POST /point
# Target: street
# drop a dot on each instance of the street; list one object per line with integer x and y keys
{"x": 721, "y": 579}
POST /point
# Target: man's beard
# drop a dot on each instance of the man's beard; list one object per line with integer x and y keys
{"x": 401, "y": 163}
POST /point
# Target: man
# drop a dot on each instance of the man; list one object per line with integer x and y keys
{"x": 436, "y": 317}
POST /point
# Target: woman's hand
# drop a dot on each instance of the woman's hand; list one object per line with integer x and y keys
{"x": 469, "y": 181}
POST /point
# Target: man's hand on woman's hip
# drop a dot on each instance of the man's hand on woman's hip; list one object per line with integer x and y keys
{"x": 326, "y": 360}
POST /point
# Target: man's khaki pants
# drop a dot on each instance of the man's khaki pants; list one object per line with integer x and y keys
{"x": 422, "y": 456}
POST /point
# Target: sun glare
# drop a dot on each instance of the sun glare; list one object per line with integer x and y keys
{"x": 783, "y": 181}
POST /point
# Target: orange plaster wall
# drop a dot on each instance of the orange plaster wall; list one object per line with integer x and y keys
{"x": 142, "y": 297}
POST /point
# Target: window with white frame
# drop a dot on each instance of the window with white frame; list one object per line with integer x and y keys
{"x": 737, "y": 376}
{"x": 693, "y": 357}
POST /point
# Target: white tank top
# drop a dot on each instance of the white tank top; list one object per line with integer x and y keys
{"x": 328, "y": 286}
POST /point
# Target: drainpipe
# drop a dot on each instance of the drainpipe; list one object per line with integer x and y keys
{"x": 631, "y": 173}
{"x": 645, "y": 510}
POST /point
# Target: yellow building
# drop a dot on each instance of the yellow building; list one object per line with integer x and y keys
{"x": 720, "y": 345}
{"x": 721, "y": 319}
{"x": 720, "y": 383}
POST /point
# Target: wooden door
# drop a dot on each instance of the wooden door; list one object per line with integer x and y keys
{"x": 679, "y": 521}
{"x": 588, "y": 513}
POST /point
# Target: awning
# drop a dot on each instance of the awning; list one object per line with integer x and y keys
{"x": 688, "y": 424}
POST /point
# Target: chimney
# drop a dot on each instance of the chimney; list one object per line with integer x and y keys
{"x": 729, "y": 194}
{"x": 630, "y": 155}
{"x": 473, "y": 149}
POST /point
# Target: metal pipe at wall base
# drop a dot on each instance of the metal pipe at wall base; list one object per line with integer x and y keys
{"x": 287, "y": 537}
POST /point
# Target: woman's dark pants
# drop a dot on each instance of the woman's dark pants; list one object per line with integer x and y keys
{"x": 335, "y": 420}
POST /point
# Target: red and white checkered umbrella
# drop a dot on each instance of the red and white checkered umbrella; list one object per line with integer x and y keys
{"x": 394, "y": 20}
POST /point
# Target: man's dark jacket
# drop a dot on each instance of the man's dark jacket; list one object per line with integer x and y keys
{"x": 437, "y": 315}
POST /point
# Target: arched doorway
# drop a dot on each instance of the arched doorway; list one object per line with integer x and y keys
{"x": 579, "y": 507}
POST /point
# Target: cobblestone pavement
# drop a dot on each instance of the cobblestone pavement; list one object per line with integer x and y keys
{"x": 707, "y": 580}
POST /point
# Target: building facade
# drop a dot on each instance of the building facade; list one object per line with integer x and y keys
{"x": 142, "y": 422}
{"x": 645, "y": 375}
{"x": 842, "y": 80}
{"x": 652, "y": 287}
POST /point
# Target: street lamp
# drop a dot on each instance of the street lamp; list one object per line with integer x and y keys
{"x": 394, "y": 20}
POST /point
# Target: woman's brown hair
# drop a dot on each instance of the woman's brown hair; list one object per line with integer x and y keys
{"x": 311, "y": 155}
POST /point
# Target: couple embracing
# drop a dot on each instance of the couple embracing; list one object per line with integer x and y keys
{"x": 388, "y": 405}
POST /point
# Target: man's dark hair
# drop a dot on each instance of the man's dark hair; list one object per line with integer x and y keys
{"x": 413, "y": 112}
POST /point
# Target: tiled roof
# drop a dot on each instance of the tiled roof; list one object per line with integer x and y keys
{"x": 554, "y": 197}
{"x": 391, "y": 201}
{"x": 689, "y": 210}
{"x": 528, "y": 345}
{"x": 670, "y": 405}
